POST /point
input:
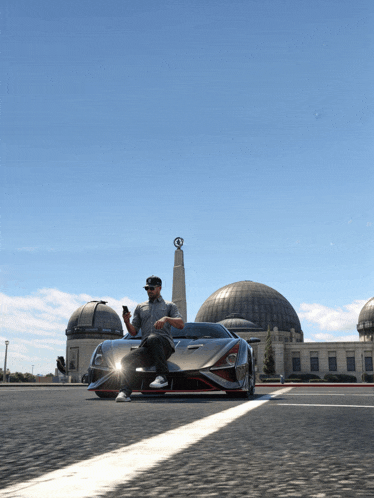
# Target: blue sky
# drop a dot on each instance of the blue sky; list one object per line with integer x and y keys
{"x": 245, "y": 127}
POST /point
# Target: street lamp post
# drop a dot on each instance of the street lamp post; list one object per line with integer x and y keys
{"x": 6, "y": 353}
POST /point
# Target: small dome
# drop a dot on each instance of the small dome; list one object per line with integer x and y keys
{"x": 366, "y": 318}
{"x": 254, "y": 302}
{"x": 92, "y": 319}
{"x": 236, "y": 323}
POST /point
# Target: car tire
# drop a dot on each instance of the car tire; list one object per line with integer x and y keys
{"x": 251, "y": 390}
{"x": 238, "y": 394}
{"x": 250, "y": 384}
{"x": 106, "y": 394}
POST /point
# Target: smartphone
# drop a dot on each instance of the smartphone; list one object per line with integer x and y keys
{"x": 125, "y": 309}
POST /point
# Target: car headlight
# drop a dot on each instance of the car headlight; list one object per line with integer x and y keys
{"x": 231, "y": 358}
{"x": 228, "y": 359}
{"x": 99, "y": 360}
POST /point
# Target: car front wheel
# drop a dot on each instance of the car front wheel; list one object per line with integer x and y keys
{"x": 106, "y": 394}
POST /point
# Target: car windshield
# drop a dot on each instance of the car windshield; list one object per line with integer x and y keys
{"x": 200, "y": 332}
{"x": 193, "y": 331}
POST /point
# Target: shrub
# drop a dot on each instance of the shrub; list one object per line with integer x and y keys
{"x": 367, "y": 377}
{"x": 340, "y": 378}
{"x": 304, "y": 377}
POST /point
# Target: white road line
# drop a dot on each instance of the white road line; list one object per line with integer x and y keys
{"x": 334, "y": 406}
{"x": 103, "y": 473}
{"x": 329, "y": 394}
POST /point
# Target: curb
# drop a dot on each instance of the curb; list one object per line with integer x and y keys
{"x": 7, "y": 385}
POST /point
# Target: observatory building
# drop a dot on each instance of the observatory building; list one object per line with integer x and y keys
{"x": 250, "y": 308}
{"x": 89, "y": 325}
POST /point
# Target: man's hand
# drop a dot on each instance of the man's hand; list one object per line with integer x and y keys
{"x": 160, "y": 323}
{"x": 126, "y": 317}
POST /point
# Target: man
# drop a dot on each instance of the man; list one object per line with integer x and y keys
{"x": 155, "y": 317}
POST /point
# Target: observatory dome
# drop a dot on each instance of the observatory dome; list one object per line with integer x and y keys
{"x": 252, "y": 301}
{"x": 94, "y": 319}
{"x": 235, "y": 323}
{"x": 365, "y": 324}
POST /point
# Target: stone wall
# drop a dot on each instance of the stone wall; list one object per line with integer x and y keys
{"x": 78, "y": 356}
{"x": 325, "y": 350}
{"x": 286, "y": 348}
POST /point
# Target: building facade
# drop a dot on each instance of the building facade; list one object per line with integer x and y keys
{"x": 250, "y": 309}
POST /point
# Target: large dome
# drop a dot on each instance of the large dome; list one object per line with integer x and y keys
{"x": 94, "y": 319}
{"x": 366, "y": 319}
{"x": 254, "y": 302}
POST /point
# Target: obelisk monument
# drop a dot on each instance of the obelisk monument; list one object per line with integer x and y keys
{"x": 179, "y": 280}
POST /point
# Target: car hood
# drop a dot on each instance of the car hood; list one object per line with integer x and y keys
{"x": 190, "y": 354}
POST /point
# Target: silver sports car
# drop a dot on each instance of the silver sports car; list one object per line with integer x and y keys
{"x": 207, "y": 358}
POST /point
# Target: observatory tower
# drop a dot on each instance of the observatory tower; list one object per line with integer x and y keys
{"x": 179, "y": 280}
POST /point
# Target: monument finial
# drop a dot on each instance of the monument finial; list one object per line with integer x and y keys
{"x": 178, "y": 242}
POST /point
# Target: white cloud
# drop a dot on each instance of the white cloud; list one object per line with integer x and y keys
{"x": 35, "y": 324}
{"x": 27, "y": 249}
{"x": 332, "y": 319}
{"x": 46, "y": 312}
{"x": 333, "y": 338}
{"x": 34, "y": 249}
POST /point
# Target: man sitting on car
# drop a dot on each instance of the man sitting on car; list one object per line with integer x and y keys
{"x": 155, "y": 318}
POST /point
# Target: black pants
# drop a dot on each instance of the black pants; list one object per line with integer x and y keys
{"x": 154, "y": 351}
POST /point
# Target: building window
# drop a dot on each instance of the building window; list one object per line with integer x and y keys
{"x": 351, "y": 364}
{"x": 332, "y": 361}
{"x": 368, "y": 363}
{"x": 332, "y": 364}
{"x": 73, "y": 359}
{"x": 296, "y": 364}
{"x": 314, "y": 363}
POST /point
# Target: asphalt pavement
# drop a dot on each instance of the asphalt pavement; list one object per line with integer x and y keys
{"x": 309, "y": 441}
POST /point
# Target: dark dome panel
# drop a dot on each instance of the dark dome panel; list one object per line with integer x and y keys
{"x": 94, "y": 317}
{"x": 255, "y": 302}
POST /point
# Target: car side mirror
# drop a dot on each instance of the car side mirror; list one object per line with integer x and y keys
{"x": 252, "y": 340}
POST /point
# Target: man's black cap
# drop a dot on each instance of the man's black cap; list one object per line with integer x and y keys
{"x": 154, "y": 281}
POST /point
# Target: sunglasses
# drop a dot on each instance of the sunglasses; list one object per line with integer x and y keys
{"x": 149, "y": 287}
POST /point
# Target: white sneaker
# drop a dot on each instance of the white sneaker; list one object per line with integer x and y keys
{"x": 159, "y": 382}
{"x": 122, "y": 397}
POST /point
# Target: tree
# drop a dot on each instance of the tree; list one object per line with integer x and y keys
{"x": 29, "y": 377}
{"x": 17, "y": 377}
{"x": 21, "y": 377}
{"x": 269, "y": 361}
